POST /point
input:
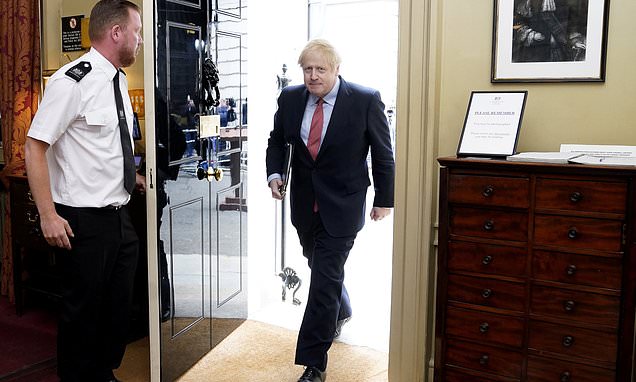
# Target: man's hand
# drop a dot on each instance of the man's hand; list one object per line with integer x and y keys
{"x": 275, "y": 186}
{"x": 56, "y": 231}
{"x": 140, "y": 183}
{"x": 379, "y": 213}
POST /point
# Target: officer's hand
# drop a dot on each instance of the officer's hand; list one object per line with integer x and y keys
{"x": 275, "y": 186}
{"x": 56, "y": 231}
{"x": 379, "y": 213}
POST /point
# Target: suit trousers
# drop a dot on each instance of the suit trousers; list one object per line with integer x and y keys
{"x": 328, "y": 299}
{"x": 97, "y": 287}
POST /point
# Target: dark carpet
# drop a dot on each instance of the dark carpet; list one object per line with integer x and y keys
{"x": 27, "y": 344}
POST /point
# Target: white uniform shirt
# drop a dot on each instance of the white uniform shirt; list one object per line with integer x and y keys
{"x": 79, "y": 122}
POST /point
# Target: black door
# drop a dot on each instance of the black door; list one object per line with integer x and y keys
{"x": 201, "y": 219}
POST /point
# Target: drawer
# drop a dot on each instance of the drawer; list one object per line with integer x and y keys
{"x": 591, "y": 308}
{"x": 484, "y": 358}
{"x": 549, "y": 370}
{"x": 491, "y": 224}
{"x": 577, "y": 195}
{"x": 25, "y": 226}
{"x": 451, "y": 375}
{"x": 602, "y": 272}
{"x": 21, "y": 194}
{"x": 487, "y": 292}
{"x": 575, "y": 342}
{"x": 489, "y": 190}
{"x": 485, "y": 327}
{"x": 486, "y": 258}
{"x": 584, "y": 233}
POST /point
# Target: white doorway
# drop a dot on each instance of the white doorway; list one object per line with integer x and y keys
{"x": 365, "y": 33}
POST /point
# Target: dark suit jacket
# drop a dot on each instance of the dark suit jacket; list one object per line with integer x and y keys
{"x": 339, "y": 178}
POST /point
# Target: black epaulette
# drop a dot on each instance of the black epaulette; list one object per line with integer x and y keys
{"x": 79, "y": 71}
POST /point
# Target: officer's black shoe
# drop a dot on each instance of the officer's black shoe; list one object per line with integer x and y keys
{"x": 313, "y": 374}
{"x": 339, "y": 326}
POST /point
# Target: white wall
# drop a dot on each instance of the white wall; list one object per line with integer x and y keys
{"x": 277, "y": 33}
{"x": 365, "y": 32}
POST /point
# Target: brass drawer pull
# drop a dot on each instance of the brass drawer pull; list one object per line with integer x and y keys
{"x": 483, "y": 360}
{"x": 486, "y": 293}
{"x": 567, "y": 341}
{"x": 486, "y": 260}
{"x": 576, "y": 197}
{"x": 566, "y": 376}
{"x": 29, "y": 196}
{"x": 489, "y": 225}
{"x": 488, "y": 191}
{"x": 483, "y": 328}
{"x": 31, "y": 218}
{"x": 570, "y": 270}
{"x": 573, "y": 233}
{"x": 569, "y": 305}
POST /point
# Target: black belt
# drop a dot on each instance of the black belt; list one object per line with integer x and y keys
{"x": 95, "y": 209}
{"x": 114, "y": 208}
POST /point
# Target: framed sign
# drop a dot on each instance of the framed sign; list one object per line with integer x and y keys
{"x": 492, "y": 123}
{"x": 549, "y": 40}
{"x": 72, "y": 33}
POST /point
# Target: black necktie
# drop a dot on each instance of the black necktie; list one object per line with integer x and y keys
{"x": 126, "y": 147}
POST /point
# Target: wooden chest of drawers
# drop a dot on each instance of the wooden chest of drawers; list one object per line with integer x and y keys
{"x": 34, "y": 265}
{"x": 536, "y": 272}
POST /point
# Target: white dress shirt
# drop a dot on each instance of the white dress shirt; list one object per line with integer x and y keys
{"x": 327, "y": 108}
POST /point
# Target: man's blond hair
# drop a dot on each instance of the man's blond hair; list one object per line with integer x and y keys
{"x": 323, "y": 47}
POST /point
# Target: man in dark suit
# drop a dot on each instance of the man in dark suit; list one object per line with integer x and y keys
{"x": 332, "y": 124}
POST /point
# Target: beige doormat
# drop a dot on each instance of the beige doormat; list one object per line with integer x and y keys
{"x": 265, "y": 353}
{"x": 259, "y": 352}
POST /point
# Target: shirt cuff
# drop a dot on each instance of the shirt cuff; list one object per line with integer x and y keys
{"x": 272, "y": 177}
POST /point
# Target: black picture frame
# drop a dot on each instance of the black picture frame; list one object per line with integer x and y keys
{"x": 492, "y": 124}
{"x": 549, "y": 41}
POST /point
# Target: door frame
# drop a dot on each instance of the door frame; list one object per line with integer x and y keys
{"x": 148, "y": 16}
{"x": 417, "y": 132}
{"x": 413, "y": 289}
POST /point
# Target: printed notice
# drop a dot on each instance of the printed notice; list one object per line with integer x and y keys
{"x": 209, "y": 126}
{"x": 492, "y": 123}
{"x": 72, "y": 33}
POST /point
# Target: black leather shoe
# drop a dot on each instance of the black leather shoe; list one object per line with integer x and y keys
{"x": 312, "y": 374}
{"x": 339, "y": 326}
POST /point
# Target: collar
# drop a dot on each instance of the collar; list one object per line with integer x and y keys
{"x": 330, "y": 98}
{"x": 99, "y": 61}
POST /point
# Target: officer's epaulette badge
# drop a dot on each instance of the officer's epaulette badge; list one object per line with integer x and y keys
{"x": 80, "y": 70}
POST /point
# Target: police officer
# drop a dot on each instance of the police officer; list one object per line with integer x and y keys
{"x": 78, "y": 160}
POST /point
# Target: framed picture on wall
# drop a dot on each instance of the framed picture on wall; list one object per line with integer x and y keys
{"x": 549, "y": 40}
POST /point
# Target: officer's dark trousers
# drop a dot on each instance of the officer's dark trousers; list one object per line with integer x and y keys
{"x": 328, "y": 299}
{"x": 97, "y": 282}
